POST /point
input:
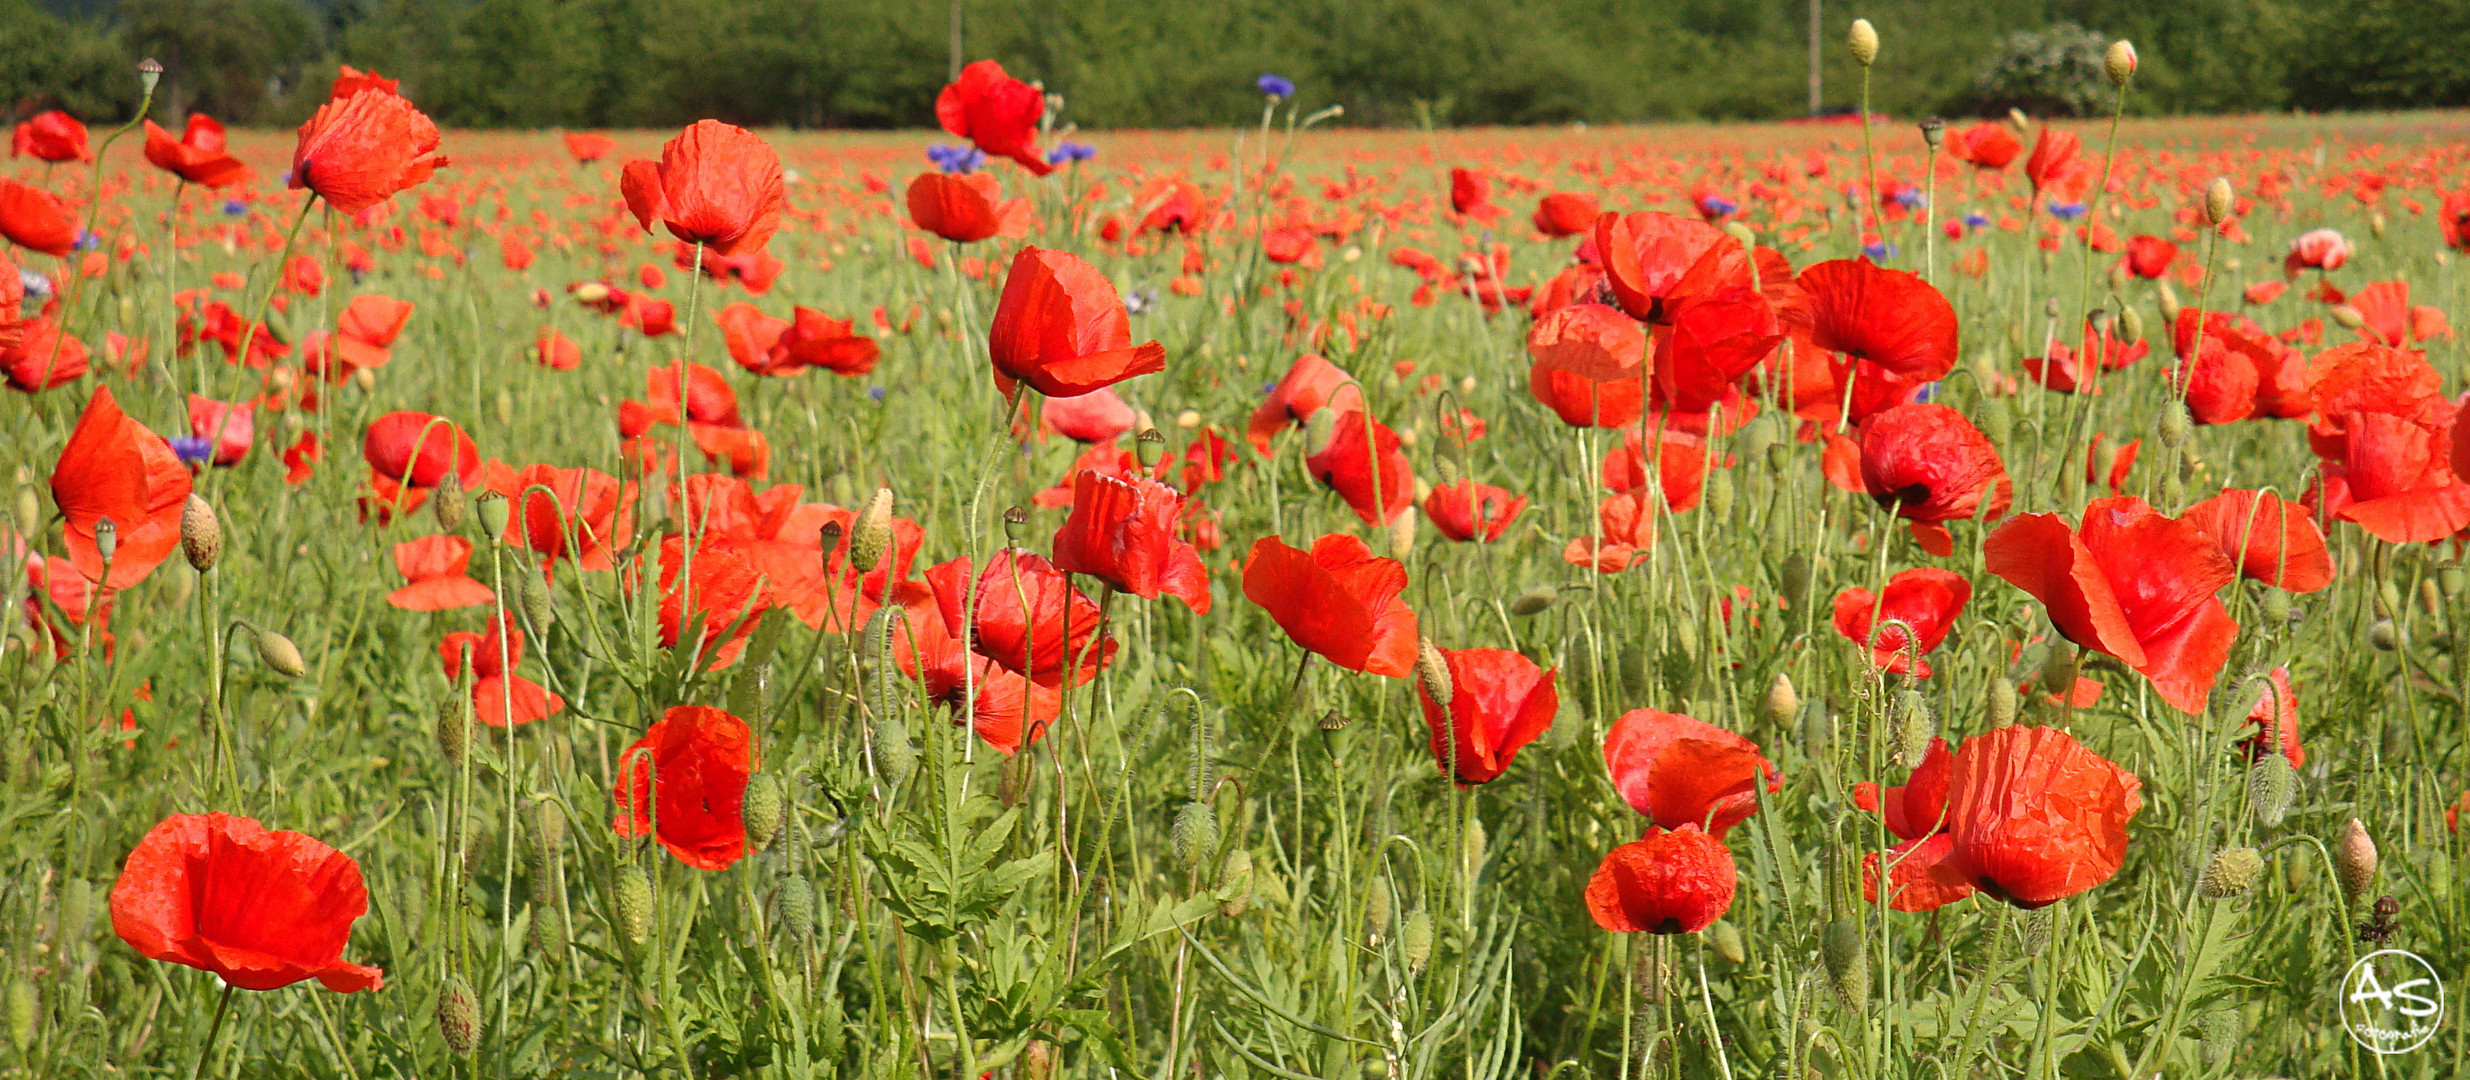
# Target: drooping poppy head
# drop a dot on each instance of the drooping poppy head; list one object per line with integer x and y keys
{"x": 51, "y": 135}
{"x": 198, "y": 156}
{"x": 1680, "y": 771}
{"x": 1061, "y": 327}
{"x": 1888, "y": 317}
{"x": 2034, "y": 817}
{"x": 2132, "y": 583}
{"x": 1925, "y": 599}
{"x": 1123, "y": 531}
{"x": 716, "y": 185}
{"x": 422, "y": 448}
{"x": 358, "y": 151}
{"x": 114, "y": 468}
{"x": 684, "y": 782}
{"x": 997, "y": 112}
{"x": 1338, "y": 600}
{"x": 1362, "y": 462}
{"x": 1499, "y": 701}
{"x": 2273, "y": 540}
{"x": 960, "y": 207}
{"x": 33, "y": 218}
{"x": 1931, "y": 464}
{"x": 1676, "y": 881}
{"x": 260, "y": 908}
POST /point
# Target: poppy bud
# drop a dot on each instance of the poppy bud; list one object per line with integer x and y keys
{"x": 1195, "y": 836}
{"x": 2383, "y": 636}
{"x": 458, "y": 1016}
{"x": 1319, "y": 430}
{"x": 2058, "y": 669}
{"x": 1379, "y": 907}
{"x": 279, "y": 653}
{"x": 106, "y": 539}
{"x": 2017, "y": 120}
{"x": 797, "y": 908}
{"x": 1446, "y": 469}
{"x": 765, "y": 809}
{"x": 1415, "y": 942}
{"x": 1914, "y": 729}
{"x": 2167, "y": 297}
{"x": 454, "y": 728}
{"x": 2348, "y": 317}
{"x": 29, "y": 510}
{"x": 1848, "y": 962}
{"x": 1235, "y": 883}
{"x": 2002, "y": 704}
{"x": 2270, "y": 788}
{"x": 365, "y": 379}
{"x": 2050, "y": 308}
{"x": 895, "y": 758}
{"x": 634, "y": 904}
{"x": 1433, "y": 669}
{"x": 1817, "y": 730}
{"x": 1933, "y": 131}
{"x": 1796, "y": 578}
{"x": 2130, "y": 325}
{"x": 24, "y": 1009}
{"x": 492, "y": 509}
{"x": 2354, "y": 861}
{"x": 532, "y": 597}
{"x": 201, "y": 536}
{"x": 592, "y": 292}
{"x": 1726, "y": 938}
{"x": 2219, "y": 201}
{"x": 149, "y": 72}
{"x": 1719, "y": 495}
{"x": 548, "y": 850}
{"x": 1781, "y": 702}
{"x": 1402, "y": 535}
{"x": 2231, "y": 872}
{"x": 1864, "y": 42}
{"x": 874, "y": 532}
{"x": 2222, "y": 1028}
{"x": 1149, "y": 446}
{"x": 2120, "y": 62}
{"x": 1534, "y": 600}
{"x": 450, "y": 503}
{"x": 1477, "y": 842}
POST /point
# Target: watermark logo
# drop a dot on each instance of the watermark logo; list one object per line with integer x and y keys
{"x": 2391, "y": 1001}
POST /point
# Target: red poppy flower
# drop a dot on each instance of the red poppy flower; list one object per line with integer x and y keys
{"x": 260, "y": 908}
{"x": 2272, "y": 540}
{"x": 1986, "y": 145}
{"x": 1122, "y": 532}
{"x": 686, "y": 778}
{"x": 960, "y": 208}
{"x": 2275, "y": 719}
{"x": 2316, "y": 249}
{"x": 51, "y": 135}
{"x": 1931, "y": 464}
{"x": 2131, "y": 583}
{"x": 197, "y": 157}
{"x": 420, "y": 449}
{"x": 997, "y": 112}
{"x": 1678, "y": 770}
{"x": 1095, "y": 417}
{"x": 1918, "y": 808}
{"x": 229, "y": 429}
{"x": 2033, "y": 817}
{"x": 1060, "y": 326}
{"x": 716, "y": 186}
{"x": 1499, "y": 702}
{"x": 1466, "y": 510}
{"x": 1681, "y": 466}
{"x": 1926, "y": 599}
{"x": 565, "y": 513}
{"x": 1470, "y": 193}
{"x": 1567, "y": 213}
{"x": 42, "y": 357}
{"x": 1715, "y": 340}
{"x": 1583, "y": 402}
{"x": 2054, "y": 165}
{"x": 1364, "y": 465}
{"x": 1887, "y": 317}
{"x": 76, "y": 599}
{"x": 728, "y": 594}
{"x": 815, "y": 339}
{"x": 1008, "y": 711}
{"x": 1924, "y": 876}
{"x": 589, "y": 146}
{"x": 2064, "y": 369}
{"x": 364, "y": 335}
{"x": 358, "y": 151}
{"x": 781, "y": 539}
{"x": 1672, "y": 882}
{"x": 32, "y": 218}
{"x": 1030, "y": 618}
{"x": 500, "y": 697}
{"x": 2149, "y": 257}
{"x": 436, "y": 569}
{"x": 1310, "y": 384}
{"x": 1594, "y": 342}
{"x": 12, "y": 303}
{"x": 113, "y": 467}
{"x": 1338, "y": 600}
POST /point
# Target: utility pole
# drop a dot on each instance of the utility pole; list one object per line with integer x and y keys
{"x": 1815, "y": 81}
{"x": 956, "y": 41}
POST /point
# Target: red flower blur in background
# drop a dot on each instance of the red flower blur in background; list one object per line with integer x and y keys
{"x": 2034, "y": 817}
{"x": 959, "y": 208}
{"x": 1926, "y": 599}
{"x": 2054, "y": 167}
{"x": 1123, "y": 532}
{"x": 260, "y": 908}
{"x": 2273, "y": 540}
{"x": 2149, "y": 257}
{"x": 1567, "y": 213}
{"x": 1676, "y": 881}
{"x": 1499, "y": 702}
{"x": 1364, "y": 465}
{"x": 1338, "y": 600}
{"x": 229, "y": 429}
{"x": 419, "y": 450}
{"x": 12, "y": 304}
{"x": 1467, "y": 510}
{"x": 435, "y": 569}
{"x": 113, "y": 467}
{"x": 359, "y": 150}
{"x": 1470, "y": 193}
{"x": 997, "y": 112}
{"x": 2132, "y": 583}
{"x": 2316, "y": 249}
{"x": 52, "y": 136}
{"x": 364, "y": 337}
{"x": 1309, "y": 385}
{"x": 684, "y": 782}
{"x": 1681, "y": 771}
{"x": 42, "y": 357}
{"x": 716, "y": 186}
{"x": 33, "y": 218}
{"x": 589, "y": 146}
{"x": 1987, "y": 145}
{"x": 198, "y": 156}
{"x": 2389, "y": 441}
{"x": 500, "y": 698}
{"x": 1061, "y": 327}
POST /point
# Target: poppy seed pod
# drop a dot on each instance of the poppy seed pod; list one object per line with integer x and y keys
{"x": 201, "y": 536}
{"x": 1149, "y": 446}
{"x": 1864, "y": 42}
{"x": 491, "y": 508}
{"x": 458, "y": 1016}
{"x": 1933, "y": 132}
{"x": 2219, "y": 201}
{"x": 2231, "y": 872}
{"x": 2354, "y": 860}
{"x": 2119, "y": 62}
{"x": 1195, "y": 836}
{"x": 2270, "y": 788}
{"x": 450, "y": 502}
{"x": 765, "y": 810}
{"x": 1333, "y": 720}
{"x": 149, "y": 72}
{"x": 1433, "y": 669}
{"x": 279, "y": 653}
{"x": 1534, "y": 600}
{"x": 1415, "y": 942}
{"x": 634, "y": 904}
{"x": 1781, "y": 702}
{"x": 874, "y": 535}
{"x": 106, "y": 539}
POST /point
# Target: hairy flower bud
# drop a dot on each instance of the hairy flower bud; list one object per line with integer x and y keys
{"x": 458, "y": 1016}
{"x": 1379, "y": 907}
{"x": 24, "y": 1009}
{"x": 450, "y": 502}
{"x": 2219, "y": 201}
{"x": 1235, "y": 883}
{"x": 1864, "y": 42}
{"x": 874, "y": 533}
{"x": 765, "y": 809}
{"x": 1415, "y": 942}
{"x": 1781, "y": 702}
{"x": 1534, "y": 600}
{"x": 532, "y": 598}
{"x": 2231, "y": 872}
{"x": 2270, "y": 788}
{"x": 1847, "y": 955}
{"x": 1195, "y": 836}
{"x": 1433, "y": 669}
{"x": 1726, "y": 940}
{"x": 279, "y": 653}
{"x": 2002, "y": 704}
{"x": 797, "y": 908}
{"x": 634, "y": 904}
{"x": 2120, "y": 62}
{"x": 454, "y": 728}
{"x": 201, "y": 536}
{"x": 2354, "y": 860}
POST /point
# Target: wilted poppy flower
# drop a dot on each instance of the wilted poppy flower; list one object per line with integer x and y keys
{"x": 1926, "y": 599}
{"x": 1309, "y": 384}
{"x": 2316, "y": 249}
{"x": 260, "y": 908}
{"x": 51, "y": 135}
{"x": 1123, "y": 532}
{"x": 435, "y": 568}
{"x": 358, "y": 151}
{"x": 1676, "y": 881}
{"x": 959, "y": 207}
{"x": 1887, "y": 317}
{"x": 565, "y": 513}
{"x": 686, "y": 778}
{"x": 1931, "y": 464}
{"x": 1678, "y": 770}
{"x": 2273, "y": 540}
{"x": 1030, "y": 618}
{"x": 1467, "y": 510}
{"x": 500, "y": 697}
{"x": 229, "y": 429}
{"x": 1338, "y": 600}
{"x": 113, "y": 467}
{"x": 1060, "y": 326}
{"x": 716, "y": 186}
{"x": 198, "y": 156}
{"x": 589, "y": 146}
{"x": 2131, "y": 583}
{"x": 1499, "y": 702}
{"x": 419, "y": 449}
{"x": 1363, "y": 464}
{"x": 1567, "y": 213}
{"x": 2034, "y": 818}
{"x": 42, "y": 357}
{"x": 997, "y": 112}
{"x": 32, "y": 218}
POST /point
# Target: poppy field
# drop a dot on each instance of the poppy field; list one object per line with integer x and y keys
{"x": 1904, "y": 599}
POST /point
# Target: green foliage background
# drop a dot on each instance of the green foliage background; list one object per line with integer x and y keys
{"x": 1129, "y": 63}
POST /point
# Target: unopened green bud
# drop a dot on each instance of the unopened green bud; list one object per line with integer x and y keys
{"x": 2002, "y": 704}
{"x": 873, "y": 538}
{"x": 450, "y": 502}
{"x": 2231, "y": 872}
{"x": 1415, "y": 941}
{"x": 2130, "y": 325}
{"x": 2271, "y": 786}
{"x": 2383, "y": 635}
{"x": 797, "y": 908}
{"x": 1195, "y": 836}
{"x": 2219, "y": 201}
{"x": 25, "y": 1009}
{"x": 2119, "y": 63}
{"x": 1235, "y": 883}
{"x": 458, "y": 1016}
{"x": 1914, "y": 727}
{"x": 1534, "y": 600}
{"x": 1863, "y": 39}
{"x": 532, "y": 594}
{"x": 765, "y": 809}
{"x": 634, "y": 904}
{"x": 454, "y": 728}
{"x": 1725, "y": 938}
{"x": 2354, "y": 860}
{"x": 1847, "y": 955}
{"x": 1781, "y": 702}
{"x": 1432, "y": 669}
{"x": 1379, "y": 907}
{"x": 279, "y": 653}
{"x": 201, "y": 535}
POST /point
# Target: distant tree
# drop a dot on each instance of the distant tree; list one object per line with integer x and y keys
{"x": 2053, "y": 72}
{"x": 50, "y": 63}
{"x": 221, "y": 57}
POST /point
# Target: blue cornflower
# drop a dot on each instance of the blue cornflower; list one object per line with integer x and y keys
{"x": 1975, "y": 219}
{"x": 1277, "y": 86}
{"x": 1927, "y": 392}
{"x": 875, "y": 392}
{"x": 1068, "y": 152}
{"x": 36, "y": 286}
{"x": 955, "y": 159}
{"x": 1879, "y": 252}
{"x": 89, "y": 241}
{"x": 2067, "y": 211}
{"x": 1137, "y": 301}
{"x": 234, "y": 207}
{"x": 1908, "y": 198}
{"x": 192, "y": 449}
{"x": 1717, "y": 205}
